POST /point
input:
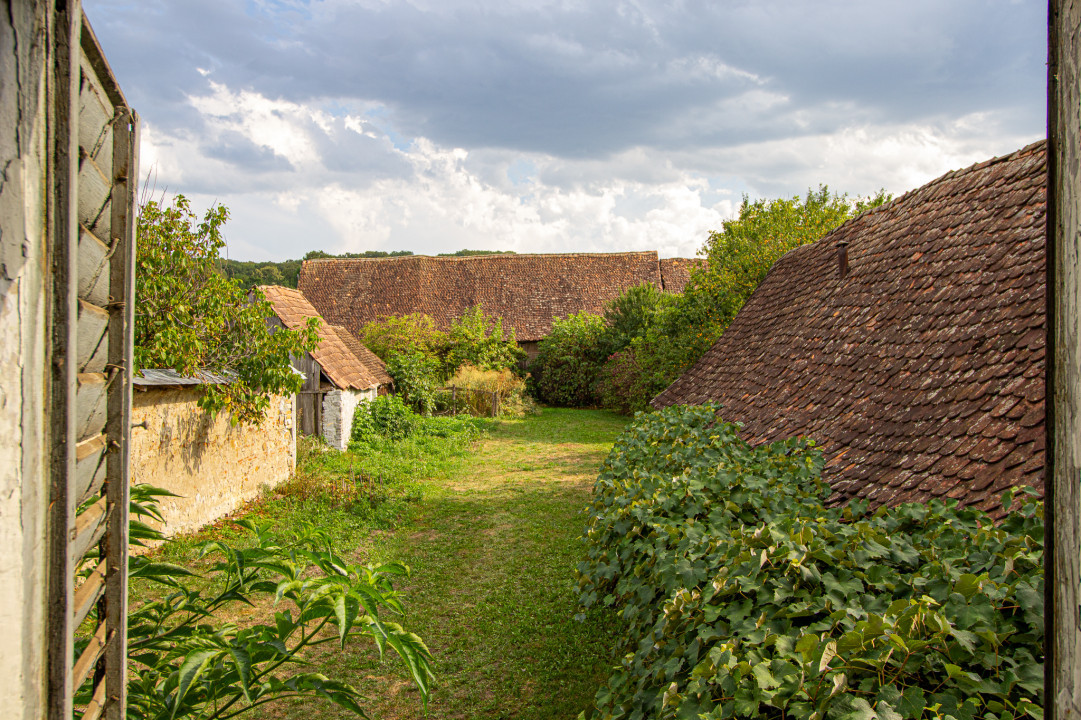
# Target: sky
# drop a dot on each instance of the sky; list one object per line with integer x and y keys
{"x": 557, "y": 125}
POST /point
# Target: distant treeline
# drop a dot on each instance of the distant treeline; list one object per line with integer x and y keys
{"x": 286, "y": 273}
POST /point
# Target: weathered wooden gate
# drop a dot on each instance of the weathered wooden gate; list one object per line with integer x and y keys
{"x": 94, "y": 154}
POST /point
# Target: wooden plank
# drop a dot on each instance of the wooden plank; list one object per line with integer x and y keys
{"x": 89, "y": 527}
{"x": 63, "y": 250}
{"x": 91, "y": 406}
{"x": 1062, "y": 506}
{"x": 92, "y": 344}
{"x": 95, "y": 118}
{"x": 121, "y": 356}
{"x": 89, "y": 467}
{"x": 94, "y": 192}
{"x": 93, "y": 268}
{"x": 97, "y": 704}
{"x": 96, "y": 57}
{"x": 89, "y": 657}
{"x": 86, "y": 595}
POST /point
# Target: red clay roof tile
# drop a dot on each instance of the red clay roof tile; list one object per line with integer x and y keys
{"x": 527, "y": 291}
{"x": 923, "y": 368}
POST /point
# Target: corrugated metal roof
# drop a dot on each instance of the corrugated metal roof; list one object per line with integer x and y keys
{"x": 150, "y": 378}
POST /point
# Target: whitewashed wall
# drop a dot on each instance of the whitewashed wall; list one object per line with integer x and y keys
{"x": 24, "y": 184}
{"x": 338, "y": 409}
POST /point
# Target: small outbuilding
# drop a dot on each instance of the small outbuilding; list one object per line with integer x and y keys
{"x": 909, "y": 343}
{"x": 338, "y": 375}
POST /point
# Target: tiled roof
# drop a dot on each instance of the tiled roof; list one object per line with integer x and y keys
{"x": 336, "y": 358}
{"x": 527, "y": 291}
{"x": 675, "y": 272}
{"x": 367, "y": 358}
{"x": 921, "y": 373}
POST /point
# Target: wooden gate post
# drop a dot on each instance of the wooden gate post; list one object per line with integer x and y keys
{"x": 1062, "y": 474}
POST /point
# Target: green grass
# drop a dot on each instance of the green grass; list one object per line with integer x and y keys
{"x": 490, "y": 529}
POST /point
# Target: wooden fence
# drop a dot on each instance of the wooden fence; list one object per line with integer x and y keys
{"x": 94, "y": 164}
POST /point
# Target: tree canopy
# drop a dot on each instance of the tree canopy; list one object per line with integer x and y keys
{"x": 190, "y": 317}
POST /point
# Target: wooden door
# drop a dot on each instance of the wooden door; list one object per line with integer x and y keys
{"x": 94, "y": 146}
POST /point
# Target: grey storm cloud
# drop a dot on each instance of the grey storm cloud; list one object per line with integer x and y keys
{"x": 589, "y": 79}
{"x": 234, "y": 148}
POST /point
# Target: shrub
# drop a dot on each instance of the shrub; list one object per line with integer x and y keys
{"x": 408, "y": 334}
{"x": 475, "y": 387}
{"x": 565, "y": 370}
{"x": 746, "y": 597}
{"x": 416, "y": 378}
{"x": 632, "y": 313}
{"x": 623, "y": 385}
{"x": 387, "y": 416}
{"x": 480, "y": 340}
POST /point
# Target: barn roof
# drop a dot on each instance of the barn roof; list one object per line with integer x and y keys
{"x": 676, "y": 272}
{"x": 334, "y": 354}
{"x": 526, "y": 291}
{"x": 920, "y": 373}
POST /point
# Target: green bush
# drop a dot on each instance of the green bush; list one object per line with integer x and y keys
{"x": 564, "y": 373}
{"x": 623, "y": 383}
{"x": 416, "y": 378}
{"x": 479, "y": 340}
{"x": 408, "y": 334}
{"x": 387, "y": 416}
{"x": 746, "y": 597}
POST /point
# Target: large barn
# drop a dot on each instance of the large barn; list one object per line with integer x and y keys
{"x": 526, "y": 291}
{"x": 909, "y": 343}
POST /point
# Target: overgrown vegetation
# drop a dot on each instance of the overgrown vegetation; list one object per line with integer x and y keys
{"x": 187, "y": 659}
{"x": 747, "y": 597}
{"x": 565, "y": 371}
{"x": 650, "y": 338}
{"x": 191, "y": 318}
{"x": 475, "y": 390}
{"x": 422, "y": 358}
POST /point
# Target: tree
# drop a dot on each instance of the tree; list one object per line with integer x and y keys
{"x": 189, "y": 317}
{"x": 740, "y": 255}
{"x": 480, "y": 340}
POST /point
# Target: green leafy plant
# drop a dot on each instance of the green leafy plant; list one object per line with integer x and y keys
{"x": 387, "y": 416}
{"x": 416, "y": 378}
{"x": 185, "y": 661}
{"x": 479, "y": 340}
{"x": 405, "y": 335}
{"x": 747, "y": 597}
{"x": 564, "y": 373}
{"x": 190, "y": 317}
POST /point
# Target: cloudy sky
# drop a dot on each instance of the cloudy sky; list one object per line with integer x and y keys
{"x": 558, "y": 125}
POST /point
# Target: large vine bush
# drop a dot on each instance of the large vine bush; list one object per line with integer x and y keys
{"x": 747, "y": 597}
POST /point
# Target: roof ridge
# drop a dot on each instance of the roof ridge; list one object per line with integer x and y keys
{"x": 452, "y": 258}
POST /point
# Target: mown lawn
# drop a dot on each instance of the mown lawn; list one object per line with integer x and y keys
{"x": 491, "y": 535}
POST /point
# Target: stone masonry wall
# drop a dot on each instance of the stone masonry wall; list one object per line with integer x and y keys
{"x": 214, "y": 465}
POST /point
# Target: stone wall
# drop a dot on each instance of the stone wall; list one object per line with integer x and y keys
{"x": 214, "y": 465}
{"x": 338, "y": 409}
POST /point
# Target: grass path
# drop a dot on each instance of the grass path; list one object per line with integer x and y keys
{"x": 493, "y": 550}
